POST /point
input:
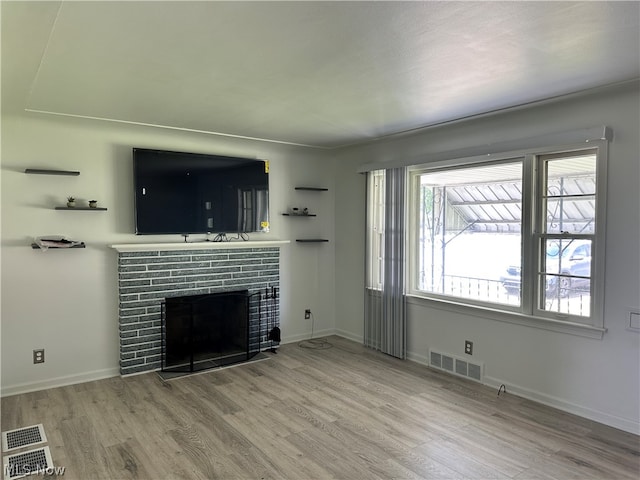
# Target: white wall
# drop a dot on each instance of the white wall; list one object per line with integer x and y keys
{"x": 65, "y": 301}
{"x": 599, "y": 379}
{"x": 350, "y": 221}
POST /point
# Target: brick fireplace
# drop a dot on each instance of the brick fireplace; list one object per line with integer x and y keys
{"x": 147, "y": 274}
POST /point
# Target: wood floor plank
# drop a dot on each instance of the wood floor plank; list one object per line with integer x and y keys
{"x": 201, "y": 387}
{"x": 204, "y": 456}
{"x": 338, "y": 460}
{"x": 83, "y": 450}
{"x": 289, "y": 460}
{"x": 124, "y": 461}
{"x": 345, "y": 412}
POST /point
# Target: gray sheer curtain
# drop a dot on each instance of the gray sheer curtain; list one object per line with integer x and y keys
{"x": 385, "y": 309}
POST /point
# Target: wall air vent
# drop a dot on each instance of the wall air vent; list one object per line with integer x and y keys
{"x": 456, "y": 366}
{"x": 475, "y": 372}
{"x": 447, "y": 363}
{"x": 461, "y": 367}
{"x": 435, "y": 360}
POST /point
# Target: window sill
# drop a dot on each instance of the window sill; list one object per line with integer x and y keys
{"x": 571, "y": 328}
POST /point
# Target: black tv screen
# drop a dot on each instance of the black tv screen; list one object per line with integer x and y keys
{"x": 180, "y": 193}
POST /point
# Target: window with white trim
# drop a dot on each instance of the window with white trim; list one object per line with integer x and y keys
{"x": 521, "y": 234}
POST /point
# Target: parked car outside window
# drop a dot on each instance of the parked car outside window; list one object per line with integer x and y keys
{"x": 568, "y": 269}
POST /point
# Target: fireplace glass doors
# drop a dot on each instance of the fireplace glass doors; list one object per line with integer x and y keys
{"x": 205, "y": 331}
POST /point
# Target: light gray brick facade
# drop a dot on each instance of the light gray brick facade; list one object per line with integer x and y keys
{"x": 146, "y": 278}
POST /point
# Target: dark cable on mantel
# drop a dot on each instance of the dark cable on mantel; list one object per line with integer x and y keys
{"x": 220, "y": 237}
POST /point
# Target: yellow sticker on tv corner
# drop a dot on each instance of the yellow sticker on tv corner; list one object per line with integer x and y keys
{"x": 266, "y": 166}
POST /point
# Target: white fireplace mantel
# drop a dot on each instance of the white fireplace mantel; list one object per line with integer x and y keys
{"x": 146, "y": 247}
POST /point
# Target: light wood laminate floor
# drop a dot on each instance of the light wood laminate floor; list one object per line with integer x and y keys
{"x": 346, "y": 413}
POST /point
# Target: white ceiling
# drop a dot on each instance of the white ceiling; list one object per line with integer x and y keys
{"x": 323, "y": 74}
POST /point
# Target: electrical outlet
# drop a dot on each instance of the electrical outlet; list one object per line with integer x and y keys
{"x": 307, "y": 314}
{"x": 468, "y": 347}
{"x": 38, "y": 355}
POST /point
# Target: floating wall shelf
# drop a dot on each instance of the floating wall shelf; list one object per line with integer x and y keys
{"x": 316, "y": 189}
{"x": 299, "y": 215}
{"x": 36, "y": 247}
{"x": 100, "y": 209}
{"x": 311, "y": 240}
{"x": 40, "y": 171}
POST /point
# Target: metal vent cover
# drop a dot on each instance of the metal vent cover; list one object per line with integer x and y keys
{"x": 447, "y": 363}
{"x": 461, "y": 367}
{"x": 436, "y": 360}
{"x": 23, "y": 437}
{"x": 475, "y": 372}
{"x": 36, "y": 461}
{"x": 457, "y": 366}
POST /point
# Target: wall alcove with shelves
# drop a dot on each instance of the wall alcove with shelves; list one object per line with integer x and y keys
{"x": 293, "y": 214}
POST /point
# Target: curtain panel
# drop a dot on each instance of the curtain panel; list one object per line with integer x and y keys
{"x": 385, "y": 308}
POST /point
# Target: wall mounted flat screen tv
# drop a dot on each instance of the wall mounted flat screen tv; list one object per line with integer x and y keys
{"x": 180, "y": 193}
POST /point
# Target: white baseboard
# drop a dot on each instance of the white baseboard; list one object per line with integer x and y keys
{"x": 307, "y": 336}
{"x": 63, "y": 381}
{"x": 625, "y": 424}
{"x": 415, "y": 357}
{"x": 59, "y": 381}
{"x": 350, "y": 336}
{"x": 628, "y": 425}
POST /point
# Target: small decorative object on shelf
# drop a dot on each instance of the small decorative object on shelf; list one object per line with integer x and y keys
{"x": 297, "y": 212}
{"x": 80, "y": 209}
{"x": 93, "y": 203}
{"x": 71, "y": 202}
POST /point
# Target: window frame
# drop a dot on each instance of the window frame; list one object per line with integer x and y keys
{"x": 414, "y": 174}
{"x": 528, "y": 312}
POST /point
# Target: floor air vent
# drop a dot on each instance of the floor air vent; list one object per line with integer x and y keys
{"x": 457, "y": 366}
{"x": 23, "y": 437}
{"x": 31, "y": 462}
